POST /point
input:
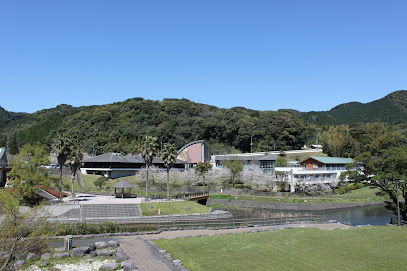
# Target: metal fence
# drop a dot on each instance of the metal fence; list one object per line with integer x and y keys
{"x": 223, "y": 223}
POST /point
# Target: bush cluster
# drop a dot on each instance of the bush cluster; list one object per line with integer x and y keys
{"x": 349, "y": 187}
{"x": 85, "y": 228}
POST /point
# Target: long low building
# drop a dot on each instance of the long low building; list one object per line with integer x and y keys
{"x": 264, "y": 161}
{"x": 116, "y": 165}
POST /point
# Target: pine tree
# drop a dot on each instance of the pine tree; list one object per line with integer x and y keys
{"x": 13, "y": 148}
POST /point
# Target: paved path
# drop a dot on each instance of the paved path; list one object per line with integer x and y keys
{"x": 147, "y": 259}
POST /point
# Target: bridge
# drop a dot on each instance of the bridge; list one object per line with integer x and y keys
{"x": 200, "y": 197}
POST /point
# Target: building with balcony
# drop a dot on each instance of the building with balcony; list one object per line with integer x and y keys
{"x": 314, "y": 170}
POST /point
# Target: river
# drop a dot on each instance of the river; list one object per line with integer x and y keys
{"x": 373, "y": 215}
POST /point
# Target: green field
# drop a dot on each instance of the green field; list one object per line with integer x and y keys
{"x": 373, "y": 248}
{"x": 171, "y": 208}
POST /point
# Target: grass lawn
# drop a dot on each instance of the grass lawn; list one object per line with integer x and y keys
{"x": 373, "y": 248}
{"x": 364, "y": 194}
{"x": 172, "y": 208}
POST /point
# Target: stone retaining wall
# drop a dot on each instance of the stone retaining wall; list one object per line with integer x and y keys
{"x": 290, "y": 206}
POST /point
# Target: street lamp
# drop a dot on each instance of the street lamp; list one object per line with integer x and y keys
{"x": 398, "y": 205}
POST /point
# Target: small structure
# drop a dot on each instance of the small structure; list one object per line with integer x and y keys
{"x": 122, "y": 185}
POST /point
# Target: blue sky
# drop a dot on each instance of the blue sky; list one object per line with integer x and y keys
{"x": 265, "y": 55}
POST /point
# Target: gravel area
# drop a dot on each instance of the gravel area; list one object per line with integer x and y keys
{"x": 83, "y": 265}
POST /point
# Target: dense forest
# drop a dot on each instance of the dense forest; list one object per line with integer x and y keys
{"x": 118, "y": 127}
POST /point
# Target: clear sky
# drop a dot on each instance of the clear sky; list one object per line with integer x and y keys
{"x": 260, "y": 54}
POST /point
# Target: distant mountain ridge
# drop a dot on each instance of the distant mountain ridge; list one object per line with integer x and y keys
{"x": 118, "y": 126}
{"x": 391, "y": 109}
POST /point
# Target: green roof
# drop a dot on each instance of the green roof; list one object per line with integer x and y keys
{"x": 332, "y": 160}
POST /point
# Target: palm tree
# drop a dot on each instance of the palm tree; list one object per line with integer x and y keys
{"x": 62, "y": 148}
{"x": 148, "y": 149}
{"x": 75, "y": 157}
{"x": 168, "y": 155}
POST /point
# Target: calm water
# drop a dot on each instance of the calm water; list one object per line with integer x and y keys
{"x": 373, "y": 215}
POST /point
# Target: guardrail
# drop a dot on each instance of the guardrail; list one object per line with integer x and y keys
{"x": 222, "y": 223}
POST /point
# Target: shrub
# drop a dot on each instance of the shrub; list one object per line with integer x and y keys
{"x": 85, "y": 228}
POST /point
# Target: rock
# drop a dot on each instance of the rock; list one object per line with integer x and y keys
{"x": 127, "y": 265}
{"x": 61, "y": 255}
{"x": 109, "y": 266}
{"x": 162, "y": 251}
{"x": 31, "y": 256}
{"x": 101, "y": 245}
{"x": 86, "y": 249}
{"x": 187, "y": 208}
{"x": 177, "y": 262}
{"x": 113, "y": 244}
{"x": 118, "y": 249}
{"x": 19, "y": 264}
{"x": 93, "y": 253}
{"x": 332, "y": 221}
{"x": 53, "y": 268}
{"x": 46, "y": 256}
{"x": 104, "y": 252}
{"x": 150, "y": 207}
{"x": 77, "y": 252}
{"x": 21, "y": 256}
{"x": 92, "y": 247}
{"x": 45, "y": 263}
{"x": 121, "y": 256}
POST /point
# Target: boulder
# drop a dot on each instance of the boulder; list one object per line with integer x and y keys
{"x": 86, "y": 249}
{"x": 109, "y": 266}
{"x": 101, "y": 245}
{"x": 121, "y": 256}
{"x": 77, "y": 252}
{"x": 127, "y": 265}
{"x": 113, "y": 244}
{"x": 19, "y": 264}
{"x": 92, "y": 247}
{"x": 46, "y": 256}
{"x": 45, "y": 263}
{"x": 93, "y": 253}
{"x": 61, "y": 255}
{"x": 104, "y": 252}
{"x": 31, "y": 256}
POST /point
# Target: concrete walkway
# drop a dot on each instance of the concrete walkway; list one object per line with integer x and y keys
{"x": 148, "y": 259}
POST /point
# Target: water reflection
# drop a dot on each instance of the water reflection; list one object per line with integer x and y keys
{"x": 373, "y": 215}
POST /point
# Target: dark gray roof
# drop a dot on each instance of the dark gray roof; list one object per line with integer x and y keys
{"x": 123, "y": 184}
{"x": 118, "y": 158}
{"x": 270, "y": 157}
{"x": 112, "y": 157}
{"x": 3, "y": 157}
{"x": 240, "y": 157}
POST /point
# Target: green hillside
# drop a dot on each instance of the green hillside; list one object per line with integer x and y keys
{"x": 119, "y": 126}
{"x": 391, "y": 109}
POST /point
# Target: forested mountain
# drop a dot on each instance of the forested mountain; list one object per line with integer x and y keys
{"x": 391, "y": 109}
{"x": 118, "y": 127}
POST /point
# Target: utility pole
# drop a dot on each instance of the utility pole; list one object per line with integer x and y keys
{"x": 398, "y": 202}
